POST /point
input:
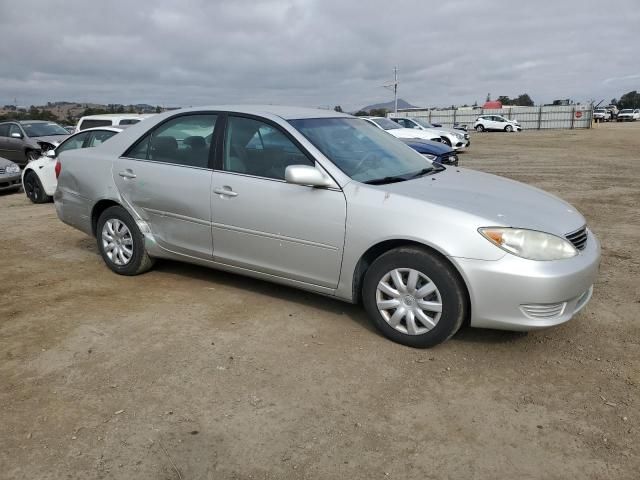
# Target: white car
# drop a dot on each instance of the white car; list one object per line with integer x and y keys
{"x": 496, "y": 122}
{"x": 456, "y": 139}
{"x": 397, "y": 131}
{"x": 629, "y": 115}
{"x": 39, "y": 176}
{"x": 601, "y": 115}
{"x": 111, "y": 120}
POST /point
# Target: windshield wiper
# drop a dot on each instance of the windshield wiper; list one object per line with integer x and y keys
{"x": 428, "y": 171}
{"x": 382, "y": 181}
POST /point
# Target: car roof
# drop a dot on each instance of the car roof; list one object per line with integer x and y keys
{"x": 108, "y": 128}
{"x": 282, "y": 111}
{"x": 111, "y": 116}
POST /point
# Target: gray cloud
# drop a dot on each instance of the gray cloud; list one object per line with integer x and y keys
{"x": 315, "y": 52}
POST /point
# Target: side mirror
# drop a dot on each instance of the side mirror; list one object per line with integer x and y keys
{"x": 50, "y": 154}
{"x": 16, "y": 135}
{"x": 306, "y": 175}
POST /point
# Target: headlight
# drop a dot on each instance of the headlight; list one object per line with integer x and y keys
{"x": 12, "y": 168}
{"x": 429, "y": 156}
{"x": 529, "y": 244}
{"x": 459, "y": 136}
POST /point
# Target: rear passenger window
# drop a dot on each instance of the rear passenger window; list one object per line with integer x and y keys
{"x": 185, "y": 140}
{"x": 257, "y": 148}
{"x": 129, "y": 121}
{"x": 4, "y": 130}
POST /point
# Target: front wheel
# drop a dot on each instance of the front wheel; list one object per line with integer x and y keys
{"x": 446, "y": 141}
{"x": 414, "y": 297}
{"x": 479, "y": 128}
{"x": 508, "y": 129}
{"x": 33, "y": 188}
{"x": 121, "y": 244}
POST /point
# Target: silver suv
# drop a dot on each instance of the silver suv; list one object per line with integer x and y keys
{"x": 24, "y": 140}
{"x": 329, "y": 203}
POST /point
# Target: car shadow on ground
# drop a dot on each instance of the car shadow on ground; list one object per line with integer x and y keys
{"x": 262, "y": 287}
{"x": 355, "y": 313}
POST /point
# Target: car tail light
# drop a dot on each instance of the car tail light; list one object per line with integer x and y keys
{"x": 58, "y": 167}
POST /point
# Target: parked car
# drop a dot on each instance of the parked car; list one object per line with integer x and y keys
{"x": 496, "y": 122}
{"x": 111, "y": 120}
{"x": 456, "y": 126}
{"x": 628, "y": 115}
{"x": 9, "y": 175}
{"x": 39, "y": 177}
{"x": 456, "y": 139}
{"x": 69, "y": 128}
{"x": 437, "y": 152}
{"x": 601, "y": 115}
{"x": 397, "y": 131}
{"x": 23, "y": 140}
{"x": 345, "y": 210}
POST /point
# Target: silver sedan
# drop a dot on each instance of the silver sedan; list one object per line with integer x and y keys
{"x": 328, "y": 203}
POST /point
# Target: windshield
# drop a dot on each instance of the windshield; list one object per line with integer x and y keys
{"x": 422, "y": 122}
{"x": 43, "y": 129}
{"x": 386, "y": 123}
{"x": 626, "y": 110}
{"x": 362, "y": 151}
{"x": 600, "y": 110}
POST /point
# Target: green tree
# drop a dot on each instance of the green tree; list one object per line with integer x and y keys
{"x": 158, "y": 109}
{"x": 361, "y": 113}
{"x": 629, "y": 100}
{"x": 338, "y": 108}
{"x": 524, "y": 100}
{"x": 378, "y": 112}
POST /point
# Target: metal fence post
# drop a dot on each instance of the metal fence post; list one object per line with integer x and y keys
{"x": 455, "y": 111}
{"x": 540, "y": 117}
{"x": 573, "y": 116}
{"x": 429, "y": 115}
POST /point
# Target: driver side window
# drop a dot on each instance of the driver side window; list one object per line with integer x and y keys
{"x": 13, "y": 128}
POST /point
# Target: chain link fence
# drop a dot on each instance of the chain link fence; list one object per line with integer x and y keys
{"x": 530, "y": 118}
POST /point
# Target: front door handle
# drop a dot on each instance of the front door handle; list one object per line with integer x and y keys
{"x": 225, "y": 191}
{"x": 127, "y": 174}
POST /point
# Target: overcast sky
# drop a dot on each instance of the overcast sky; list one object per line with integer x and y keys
{"x": 316, "y": 52}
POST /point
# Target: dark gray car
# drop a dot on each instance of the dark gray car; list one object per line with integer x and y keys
{"x": 10, "y": 178}
{"x": 23, "y": 140}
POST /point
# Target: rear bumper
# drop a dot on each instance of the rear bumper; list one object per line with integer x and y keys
{"x": 10, "y": 182}
{"x": 517, "y": 294}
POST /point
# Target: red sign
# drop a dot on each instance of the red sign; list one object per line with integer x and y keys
{"x": 578, "y": 114}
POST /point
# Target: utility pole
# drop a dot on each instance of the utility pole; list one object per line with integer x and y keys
{"x": 394, "y": 86}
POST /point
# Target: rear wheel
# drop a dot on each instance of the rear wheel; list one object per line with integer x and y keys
{"x": 479, "y": 128}
{"x": 508, "y": 129}
{"x": 121, "y": 244}
{"x": 414, "y": 297}
{"x": 33, "y": 188}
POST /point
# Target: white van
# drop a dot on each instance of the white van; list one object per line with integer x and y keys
{"x": 111, "y": 120}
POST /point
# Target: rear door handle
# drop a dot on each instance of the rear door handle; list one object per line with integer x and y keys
{"x": 127, "y": 174}
{"x": 225, "y": 191}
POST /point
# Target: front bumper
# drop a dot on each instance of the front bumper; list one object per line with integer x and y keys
{"x": 517, "y": 294}
{"x": 10, "y": 182}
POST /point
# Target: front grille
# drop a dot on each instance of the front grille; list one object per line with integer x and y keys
{"x": 543, "y": 310}
{"x": 578, "y": 238}
{"x": 2, "y": 169}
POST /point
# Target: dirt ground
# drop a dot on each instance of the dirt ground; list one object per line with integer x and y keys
{"x": 189, "y": 373}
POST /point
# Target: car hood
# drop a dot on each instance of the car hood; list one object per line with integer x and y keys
{"x": 412, "y": 133}
{"x": 495, "y": 200}
{"x": 53, "y": 139}
{"x": 427, "y": 146}
{"x": 5, "y": 163}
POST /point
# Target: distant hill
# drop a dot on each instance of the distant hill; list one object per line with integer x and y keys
{"x": 389, "y": 105}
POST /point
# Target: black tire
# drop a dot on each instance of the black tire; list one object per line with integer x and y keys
{"x": 479, "y": 128}
{"x": 446, "y": 141}
{"x": 451, "y": 289}
{"x": 140, "y": 260}
{"x": 508, "y": 129}
{"x": 33, "y": 188}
